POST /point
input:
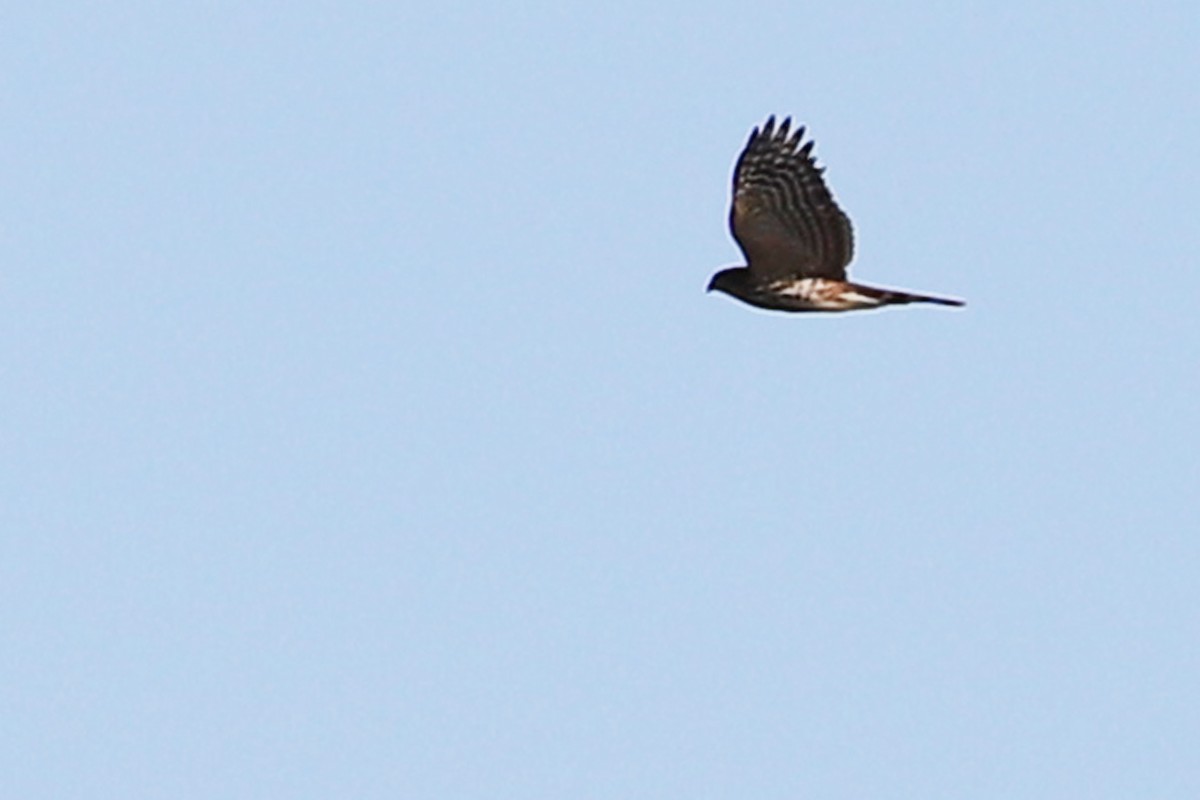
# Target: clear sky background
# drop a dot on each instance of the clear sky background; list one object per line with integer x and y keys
{"x": 367, "y": 431}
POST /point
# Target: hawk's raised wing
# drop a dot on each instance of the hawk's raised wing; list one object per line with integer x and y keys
{"x": 783, "y": 217}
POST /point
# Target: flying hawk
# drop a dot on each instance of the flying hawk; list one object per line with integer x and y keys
{"x": 796, "y": 240}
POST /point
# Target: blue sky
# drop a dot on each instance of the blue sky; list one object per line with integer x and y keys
{"x": 368, "y": 432}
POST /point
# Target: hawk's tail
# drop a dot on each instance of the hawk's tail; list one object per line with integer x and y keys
{"x": 888, "y": 297}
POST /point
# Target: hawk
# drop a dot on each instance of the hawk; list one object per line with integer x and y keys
{"x": 796, "y": 240}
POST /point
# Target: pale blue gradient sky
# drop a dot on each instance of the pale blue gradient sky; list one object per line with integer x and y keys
{"x": 368, "y": 433}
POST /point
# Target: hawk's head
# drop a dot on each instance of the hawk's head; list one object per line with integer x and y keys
{"x": 734, "y": 281}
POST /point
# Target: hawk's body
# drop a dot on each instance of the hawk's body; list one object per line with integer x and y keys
{"x": 796, "y": 240}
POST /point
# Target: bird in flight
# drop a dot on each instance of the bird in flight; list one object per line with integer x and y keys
{"x": 796, "y": 240}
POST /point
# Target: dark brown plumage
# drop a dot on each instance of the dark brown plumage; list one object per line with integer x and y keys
{"x": 796, "y": 240}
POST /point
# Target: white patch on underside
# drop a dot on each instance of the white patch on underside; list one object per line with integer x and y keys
{"x": 802, "y": 288}
{"x": 825, "y": 294}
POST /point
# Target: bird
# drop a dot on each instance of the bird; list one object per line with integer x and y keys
{"x": 796, "y": 240}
